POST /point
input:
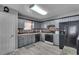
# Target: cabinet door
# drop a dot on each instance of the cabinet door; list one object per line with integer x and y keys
{"x": 30, "y": 39}
{"x": 25, "y": 39}
{"x": 20, "y": 41}
{"x": 7, "y": 33}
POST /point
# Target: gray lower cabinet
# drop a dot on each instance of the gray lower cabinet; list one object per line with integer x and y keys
{"x": 24, "y": 40}
{"x": 20, "y": 41}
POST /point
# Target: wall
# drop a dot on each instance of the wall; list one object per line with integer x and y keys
{"x": 56, "y": 23}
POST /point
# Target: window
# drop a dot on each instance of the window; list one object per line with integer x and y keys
{"x": 28, "y": 25}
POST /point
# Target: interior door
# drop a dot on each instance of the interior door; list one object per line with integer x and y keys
{"x": 7, "y": 33}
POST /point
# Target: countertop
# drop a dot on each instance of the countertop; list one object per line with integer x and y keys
{"x": 33, "y": 33}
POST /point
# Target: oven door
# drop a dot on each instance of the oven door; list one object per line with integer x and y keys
{"x": 49, "y": 37}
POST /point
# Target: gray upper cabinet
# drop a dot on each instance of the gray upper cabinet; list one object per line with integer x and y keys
{"x": 21, "y": 23}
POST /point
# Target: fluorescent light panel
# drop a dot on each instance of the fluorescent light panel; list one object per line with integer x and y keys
{"x": 38, "y": 10}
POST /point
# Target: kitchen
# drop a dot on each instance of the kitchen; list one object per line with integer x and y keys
{"x": 25, "y": 31}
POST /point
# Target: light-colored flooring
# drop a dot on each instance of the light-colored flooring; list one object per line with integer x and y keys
{"x": 41, "y": 48}
{"x": 69, "y": 51}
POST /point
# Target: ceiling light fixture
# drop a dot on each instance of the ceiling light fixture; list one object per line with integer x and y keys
{"x": 38, "y": 9}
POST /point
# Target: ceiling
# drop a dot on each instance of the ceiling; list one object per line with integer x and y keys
{"x": 54, "y": 10}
